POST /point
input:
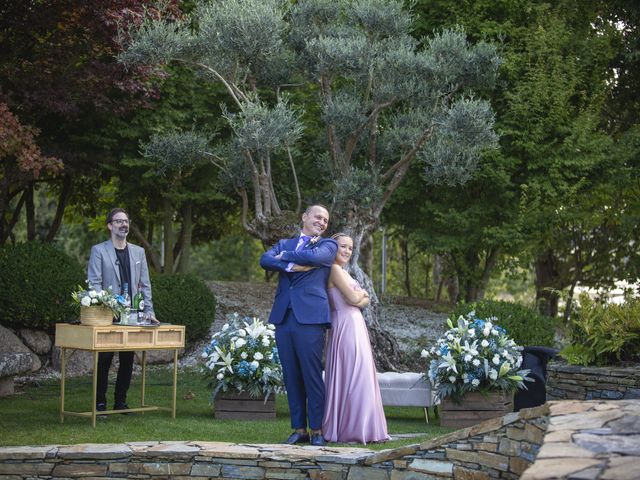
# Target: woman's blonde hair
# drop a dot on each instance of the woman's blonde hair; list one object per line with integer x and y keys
{"x": 336, "y": 236}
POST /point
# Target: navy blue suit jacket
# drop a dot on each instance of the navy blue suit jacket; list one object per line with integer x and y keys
{"x": 305, "y": 292}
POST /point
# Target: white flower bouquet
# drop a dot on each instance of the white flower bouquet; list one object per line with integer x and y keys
{"x": 243, "y": 357}
{"x": 475, "y": 355}
{"x": 90, "y": 297}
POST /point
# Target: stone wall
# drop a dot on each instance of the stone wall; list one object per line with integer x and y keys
{"x": 498, "y": 448}
{"x": 594, "y": 440}
{"x": 574, "y": 382}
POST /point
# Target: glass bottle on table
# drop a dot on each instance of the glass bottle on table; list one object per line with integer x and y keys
{"x": 138, "y": 305}
{"x": 124, "y": 319}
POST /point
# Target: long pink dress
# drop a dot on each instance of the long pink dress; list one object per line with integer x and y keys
{"x": 353, "y": 406}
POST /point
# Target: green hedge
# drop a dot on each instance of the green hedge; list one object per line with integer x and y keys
{"x": 36, "y": 281}
{"x": 525, "y": 325}
{"x": 184, "y": 300}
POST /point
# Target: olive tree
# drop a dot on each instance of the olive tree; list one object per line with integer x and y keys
{"x": 383, "y": 100}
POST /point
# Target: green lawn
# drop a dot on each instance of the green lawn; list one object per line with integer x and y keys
{"x": 31, "y": 417}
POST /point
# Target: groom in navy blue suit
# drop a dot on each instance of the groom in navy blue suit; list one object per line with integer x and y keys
{"x": 301, "y": 315}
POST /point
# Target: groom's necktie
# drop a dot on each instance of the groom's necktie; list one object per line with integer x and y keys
{"x": 302, "y": 242}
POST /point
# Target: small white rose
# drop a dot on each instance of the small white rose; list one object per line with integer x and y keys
{"x": 493, "y": 374}
{"x": 85, "y": 302}
{"x": 255, "y": 364}
{"x": 225, "y": 327}
{"x": 496, "y": 360}
{"x": 240, "y": 342}
{"x": 220, "y": 376}
{"x": 494, "y": 332}
{"x": 475, "y": 382}
{"x": 244, "y": 355}
{"x": 476, "y": 362}
{"x": 472, "y": 332}
{"x": 258, "y": 356}
{"x": 242, "y": 332}
{"x": 424, "y": 353}
{"x": 484, "y": 343}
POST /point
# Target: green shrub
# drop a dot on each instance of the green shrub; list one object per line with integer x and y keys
{"x": 525, "y": 325}
{"x": 603, "y": 334}
{"x": 184, "y": 300}
{"x": 36, "y": 281}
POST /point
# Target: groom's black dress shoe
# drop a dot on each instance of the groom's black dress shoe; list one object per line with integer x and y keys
{"x": 317, "y": 440}
{"x": 296, "y": 438}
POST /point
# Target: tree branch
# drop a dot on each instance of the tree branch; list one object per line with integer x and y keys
{"x": 409, "y": 156}
{"x": 295, "y": 181}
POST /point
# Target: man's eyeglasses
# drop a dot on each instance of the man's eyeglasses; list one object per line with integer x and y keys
{"x": 120, "y": 221}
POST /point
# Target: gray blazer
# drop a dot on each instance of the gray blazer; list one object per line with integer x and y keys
{"x": 103, "y": 271}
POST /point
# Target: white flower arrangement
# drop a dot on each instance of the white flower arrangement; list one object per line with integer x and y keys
{"x": 475, "y": 355}
{"x": 243, "y": 357}
{"x": 90, "y": 297}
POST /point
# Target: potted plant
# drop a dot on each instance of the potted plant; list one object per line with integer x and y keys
{"x": 243, "y": 368}
{"x": 98, "y": 307}
{"x": 475, "y": 369}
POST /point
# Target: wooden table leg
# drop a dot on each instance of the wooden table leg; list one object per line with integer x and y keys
{"x": 144, "y": 373}
{"x": 175, "y": 382}
{"x": 62, "y": 381}
{"x": 94, "y": 396}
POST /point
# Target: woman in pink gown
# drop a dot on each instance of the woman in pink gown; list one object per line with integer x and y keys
{"x": 353, "y": 406}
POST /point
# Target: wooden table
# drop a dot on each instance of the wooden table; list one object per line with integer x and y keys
{"x": 116, "y": 338}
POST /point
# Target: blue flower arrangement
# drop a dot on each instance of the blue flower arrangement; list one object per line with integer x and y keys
{"x": 475, "y": 355}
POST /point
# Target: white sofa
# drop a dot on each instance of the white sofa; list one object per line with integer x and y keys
{"x": 408, "y": 389}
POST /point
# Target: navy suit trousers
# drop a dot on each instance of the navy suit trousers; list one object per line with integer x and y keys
{"x": 300, "y": 347}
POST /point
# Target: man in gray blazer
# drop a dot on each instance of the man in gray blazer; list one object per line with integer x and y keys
{"x": 115, "y": 264}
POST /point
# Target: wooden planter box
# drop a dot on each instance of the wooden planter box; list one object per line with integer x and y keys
{"x": 475, "y": 408}
{"x": 241, "y": 406}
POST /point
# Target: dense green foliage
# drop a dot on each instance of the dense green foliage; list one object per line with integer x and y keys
{"x": 526, "y": 326}
{"x": 36, "y": 281}
{"x": 603, "y": 334}
{"x": 184, "y": 300}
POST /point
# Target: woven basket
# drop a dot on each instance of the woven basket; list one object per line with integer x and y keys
{"x": 96, "y": 315}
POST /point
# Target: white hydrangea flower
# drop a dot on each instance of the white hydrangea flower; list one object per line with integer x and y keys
{"x": 475, "y": 382}
{"x": 85, "y": 302}
{"x": 258, "y": 356}
{"x": 94, "y": 301}
{"x": 93, "y": 293}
